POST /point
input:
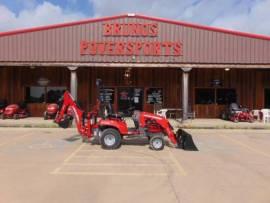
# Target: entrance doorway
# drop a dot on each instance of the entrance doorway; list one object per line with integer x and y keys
{"x": 267, "y": 98}
{"x": 129, "y": 99}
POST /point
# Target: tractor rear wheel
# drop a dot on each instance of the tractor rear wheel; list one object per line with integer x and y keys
{"x": 157, "y": 142}
{"x": 110, "y": 139}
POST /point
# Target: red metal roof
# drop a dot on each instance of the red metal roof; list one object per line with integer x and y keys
{"x": 214, "y": 29}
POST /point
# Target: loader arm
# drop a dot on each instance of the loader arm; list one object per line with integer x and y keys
{"x": 163, "y": 122}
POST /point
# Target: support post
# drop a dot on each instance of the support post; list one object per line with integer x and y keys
{"x": 185, "y": 88}
{"x": 73, "y": 81}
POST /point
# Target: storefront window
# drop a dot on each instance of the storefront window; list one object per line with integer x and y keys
{"x": 35, "y": 94}
{"x": 205, "y": 96}
{"x": 154, "y": 96}
{"x": 38, "y": 94}
{"x": 107, "y": 95}
{"x": 226, "y": 96}
{"x": 221, "y": 96}
{"x": 130, "y": 98}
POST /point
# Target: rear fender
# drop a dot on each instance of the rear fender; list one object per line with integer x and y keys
{"x": 121, "y": 126}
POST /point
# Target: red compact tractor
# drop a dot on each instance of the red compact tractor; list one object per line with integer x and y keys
{"x": 110, "y": 130}
{"x": 15, "y": 111}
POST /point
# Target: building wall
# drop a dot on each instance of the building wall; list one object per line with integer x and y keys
{"x": 249, "y": 85}
{"x": 168, "y": 79}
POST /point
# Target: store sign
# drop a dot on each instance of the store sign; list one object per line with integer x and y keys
{"x": 137, "y": 45}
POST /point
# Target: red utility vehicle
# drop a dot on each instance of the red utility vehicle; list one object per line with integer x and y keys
{"x": 111, "y": 129}
{"x": 15, "y": 111}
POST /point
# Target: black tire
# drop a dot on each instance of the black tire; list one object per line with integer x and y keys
{"x": 16, "y": 116}
{"x": 110, "y": 139}
{"x": 157, "y": 142}
{"x": 2, "y": 116}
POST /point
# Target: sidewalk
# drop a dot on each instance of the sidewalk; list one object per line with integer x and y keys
{"x": 38, "y": 122}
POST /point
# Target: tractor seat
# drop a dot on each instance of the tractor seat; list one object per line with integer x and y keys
{"x": 114, "y": 115}
{"x": 136, "y": 119}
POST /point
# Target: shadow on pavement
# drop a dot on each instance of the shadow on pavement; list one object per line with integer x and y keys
{"x": 73, "y": 138}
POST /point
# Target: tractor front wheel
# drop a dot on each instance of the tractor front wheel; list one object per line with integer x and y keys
{"x": 157, "y": 142}
{"x": 110, "y": 139}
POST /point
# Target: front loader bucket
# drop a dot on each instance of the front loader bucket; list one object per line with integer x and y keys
{"x": 185, "y": 141}
{"x": 181, "y": 138}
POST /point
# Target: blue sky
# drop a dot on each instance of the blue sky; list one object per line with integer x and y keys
{"x": 242, "y": 15}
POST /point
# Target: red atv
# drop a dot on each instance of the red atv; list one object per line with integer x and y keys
{"x": 15, "y": 111}
{"x": 110, "y": 130}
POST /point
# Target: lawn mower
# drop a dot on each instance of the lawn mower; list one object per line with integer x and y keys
{"x": 236, "y": 113}
{"x": 52, "y": 110}
{"x": 15, "y": 111}
{"x": 112, "y": 128}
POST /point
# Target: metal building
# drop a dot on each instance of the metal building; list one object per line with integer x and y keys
{"x": 142, "y": 61}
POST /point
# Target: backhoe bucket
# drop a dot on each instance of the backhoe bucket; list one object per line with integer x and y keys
{"x": 66, "y": 122}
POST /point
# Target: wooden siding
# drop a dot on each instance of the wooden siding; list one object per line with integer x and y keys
{"x": 249, "y": 85}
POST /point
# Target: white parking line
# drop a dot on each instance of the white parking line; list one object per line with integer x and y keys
{"x": 179, "y": 167}
{"x": 112, "y": 164}
{"x": 108, "y": 174}
{"x": 76, "y": 171}
{"x": 108, "y": 156}
{"x": 73, "y": 153}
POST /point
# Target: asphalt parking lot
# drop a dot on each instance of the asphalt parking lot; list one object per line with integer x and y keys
{"x": 53, "y": 165}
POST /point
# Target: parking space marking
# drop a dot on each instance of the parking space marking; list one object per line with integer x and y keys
{"x": 108, "y": 156}
{"x": 113, "y": 164}
{"x": 179, "y": 167}
{"x": 74, "y": 152}
{"x": 77, "y": 165}
{"x": 107, "y": 173}
{"x": 253, "y": 149}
